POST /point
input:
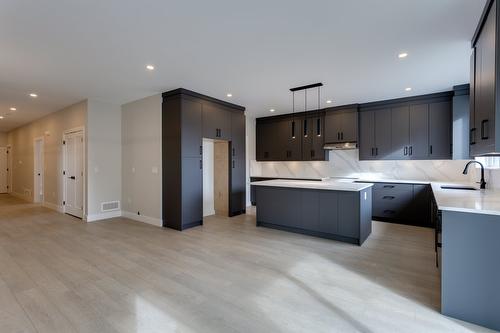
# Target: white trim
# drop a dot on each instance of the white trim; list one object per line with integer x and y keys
{"x": 36, "y": 195}
{"x": 144, "y": 219}
{"x": 52, "y": 206}
{"x": 21, "y": 196}
{"x": 103, "y": 216}
{"x": 84, "y": 161}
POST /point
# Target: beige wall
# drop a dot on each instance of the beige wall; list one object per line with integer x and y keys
{"x": 141, "y": 159}
{"x": 103, "y": 158}
{"x": 3, "y": 139}
{"x": 51, "y": 128}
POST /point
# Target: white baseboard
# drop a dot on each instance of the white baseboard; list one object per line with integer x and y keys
{"x": 103, "y": 216}
{"x": 21, "y": 196}
{"x": 52, "y": 206}
{"x": 144, "y": 219}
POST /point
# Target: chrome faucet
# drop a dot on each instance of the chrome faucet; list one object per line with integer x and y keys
{"x": 482, "y": 182}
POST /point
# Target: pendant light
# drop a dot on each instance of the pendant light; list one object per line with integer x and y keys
{"x": 318, "y": 120}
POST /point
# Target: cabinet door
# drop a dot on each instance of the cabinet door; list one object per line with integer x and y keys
{"x": 238, "y": 186}
{"x": 472, "y": 118}
{"x": 486, "y": 85}
{"x": 313, "y": 139}
{"x": 192, "y": 191}
{"x": 309, "y": 210}
{"x": 419, "y": 131}
{"x": 367, "y": 135}
{"x": 264, "y": 141}
{"x": 328, "y": 212}
{"x": 421, "y": 205}
{"x": 440, "y": 130}
{"x": 333, "y": 123}
{"x": 216, "y": 122}
{"x": 400, "y": 129}
{"x": 238, "y": 135}
{"x": 292, "y": 145}
{"x": 383, "y": 134}
{"x": 348, "y": 214}
{"x": 191, "y": 128}
{"x": 349, "y": 127}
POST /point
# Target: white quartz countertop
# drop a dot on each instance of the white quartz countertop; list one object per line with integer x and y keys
{"x": 394, "y": 181}
{"x": 315, "y": 185}
{"x": 480, "y": 201}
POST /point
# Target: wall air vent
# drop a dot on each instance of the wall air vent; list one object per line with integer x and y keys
{"x": 110, "y": 206}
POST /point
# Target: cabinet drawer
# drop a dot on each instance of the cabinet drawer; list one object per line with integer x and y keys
{"x": 394, "y": 204}
{"x": 391, "y": 187}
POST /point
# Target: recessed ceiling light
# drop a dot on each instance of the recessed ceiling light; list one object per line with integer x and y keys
{"x": 150, "y": 67}
{"x": 1, "y": 117}
{"x": 229, "y": 95}
{"x": 408, "y": 89}
{"x": 33, "y": 95}
{"x": 272, "y": 110}
{"x": 328, "y": 102}
{"x": 13, "y": 109}
{"x": 402, "y": 55}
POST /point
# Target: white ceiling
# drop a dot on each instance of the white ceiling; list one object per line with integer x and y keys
{"x": 67, "y": 51}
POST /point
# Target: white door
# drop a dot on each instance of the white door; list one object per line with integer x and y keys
{"x": 73, "y": 174}
{"x": 38, "y": 170}
{"x": 3, "y": 170}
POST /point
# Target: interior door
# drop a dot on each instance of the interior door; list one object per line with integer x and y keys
{"x": 73, "y": 174}
{"x": 3, "y": 170}
{"x": 38, "y": 171}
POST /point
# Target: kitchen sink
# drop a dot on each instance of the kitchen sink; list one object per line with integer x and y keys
{"x": 455, "y": 187}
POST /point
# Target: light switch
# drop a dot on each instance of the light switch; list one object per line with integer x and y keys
{"x": 366, "y": 195}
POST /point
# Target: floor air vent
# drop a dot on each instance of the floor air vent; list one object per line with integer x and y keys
{"x": 110, "y": 206}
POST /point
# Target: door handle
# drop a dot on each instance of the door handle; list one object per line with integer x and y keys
{"x": 388, "y": 186}
{"x": 341, "y": 135}
{"x": 38, "y": 174}
{"x": 472, "y": 138}
{"x": 233, "y": 164}
{"x": 406, "y": 151}
{"x": 388, "y": 197}
{"x": 411, "y": 150}
{"x": 376, "y": 151}
{"x": 373, "y": 151}
{"x": 483, "y": 131}
{"x": 201, "y": 150}
{"x": 430, "y": 149}
{"x": 338, "y": 136}
{"x": 201, "y": 164}
{"x": 72, "y": 177}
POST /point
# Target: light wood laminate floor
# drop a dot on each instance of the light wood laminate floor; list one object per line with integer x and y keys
{"x": 58, "y": 274}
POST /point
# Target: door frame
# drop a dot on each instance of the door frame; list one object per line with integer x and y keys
{"x": 42, "y": 164}
{"x": 84, "y": 161}
{"x": 10, "y": 171}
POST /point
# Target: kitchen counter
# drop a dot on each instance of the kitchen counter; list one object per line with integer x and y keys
{"x": 478, "y": 202}
{"x": 315, "y": 185}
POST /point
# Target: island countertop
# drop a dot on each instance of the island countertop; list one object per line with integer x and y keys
{"x": 315, "y": 185}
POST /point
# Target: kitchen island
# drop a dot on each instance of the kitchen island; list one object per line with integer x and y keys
{"x": 335, "y": 210}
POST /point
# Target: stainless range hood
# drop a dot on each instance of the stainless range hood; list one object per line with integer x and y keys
{"x": 340, "y": 146}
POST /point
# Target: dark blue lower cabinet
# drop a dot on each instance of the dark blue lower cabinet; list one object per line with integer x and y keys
{"x": 338, "y": 215}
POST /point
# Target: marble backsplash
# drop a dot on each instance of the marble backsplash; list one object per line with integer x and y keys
{"x": 345, "y": 163}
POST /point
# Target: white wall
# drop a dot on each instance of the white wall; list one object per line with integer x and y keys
{"x": 3, "y": 139}
{"x": 104, "y": 151}
{"x": 141, "y": 158}
{"x": 208, "y": 177}
{"x": 51, "y": 128}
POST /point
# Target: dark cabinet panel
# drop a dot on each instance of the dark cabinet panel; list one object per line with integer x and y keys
{"x": 421, "y": 205}
{"x": 383, "y": 147}
{"x": 266, "y": 144}
{"x": 192, "y": 191}
{"x": 289, "y": 139}
{"x": 285, "y": 209}
{"x": 238, "y": 135}
{"x": 341, "y": 125}
{"x": 216, "y": 122}
{"x": 400, "y": 129}
{"x": 313, "y": 138}
{"x": 191, "y": 128}
{"x": 367, "y": 135}
{"x": 440, "y": 130}
{"x": 328, "y": 212}
{"x": 237, "y": 202}
{"x": 419, "y": 131}
{"x": 348, "y": 214}
{"x": 309, "y": 210}
{"x": 472, "y": 125}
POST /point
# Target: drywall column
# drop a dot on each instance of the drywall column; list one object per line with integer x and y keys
{"x": 104, "y": 153}
{"x": 141, "y": 160}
